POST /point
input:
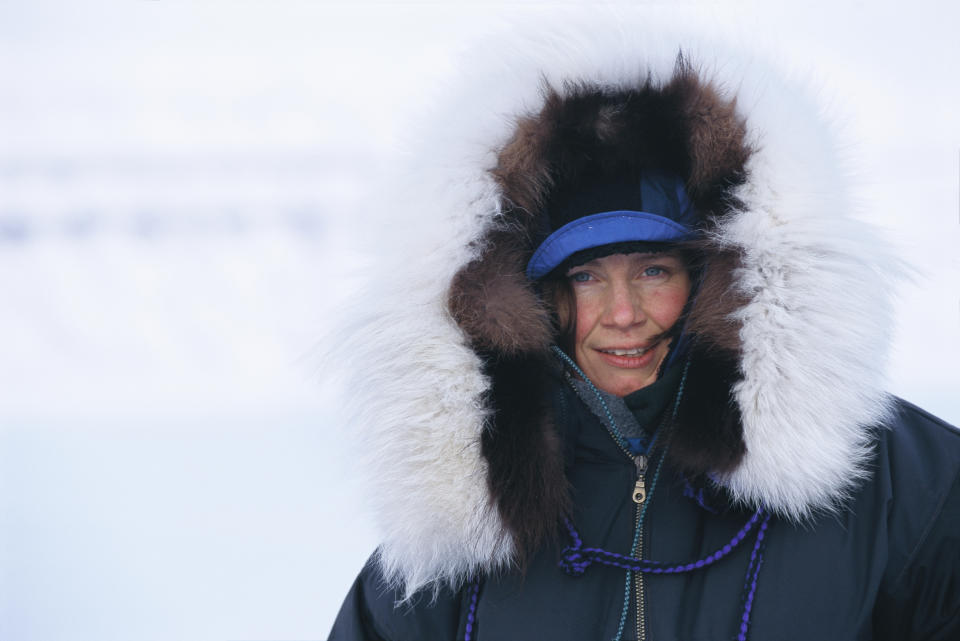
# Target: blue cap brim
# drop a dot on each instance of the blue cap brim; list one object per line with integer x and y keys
{"x": 603, "y": 229}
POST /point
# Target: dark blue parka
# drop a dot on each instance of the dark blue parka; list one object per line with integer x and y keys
{"x": 481, "y": 452}
{"x": 885, "y": 567}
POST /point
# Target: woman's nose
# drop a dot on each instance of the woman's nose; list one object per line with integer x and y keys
{"x": 623, "y": 306}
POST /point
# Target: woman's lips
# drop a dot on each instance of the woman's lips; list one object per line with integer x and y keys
{"x": 628, "y": 358}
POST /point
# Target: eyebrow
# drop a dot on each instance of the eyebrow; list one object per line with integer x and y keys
{"x": 671, "y": 253}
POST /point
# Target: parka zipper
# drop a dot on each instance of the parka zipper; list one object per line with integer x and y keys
{"x": 640, "y": 489}
{"x": 639, "y": 496}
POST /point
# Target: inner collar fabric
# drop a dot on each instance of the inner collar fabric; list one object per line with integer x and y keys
{"x": 637, "y": 414}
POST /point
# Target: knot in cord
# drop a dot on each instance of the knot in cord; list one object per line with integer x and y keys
{"x": 575, "y": 558}
{"x": 572, "y": 560}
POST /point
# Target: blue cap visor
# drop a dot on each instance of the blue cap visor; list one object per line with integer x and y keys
{"x": 603, "y": 229}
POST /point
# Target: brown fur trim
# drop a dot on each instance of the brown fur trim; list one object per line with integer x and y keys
{"x": 716, "y": 141}
{"x": 707, "y": 435}
{"x": 523, "y": 170}
{"x": 711, "y": 314}
{"x": 495, "y": 305}
{"x": 524, "y": 454}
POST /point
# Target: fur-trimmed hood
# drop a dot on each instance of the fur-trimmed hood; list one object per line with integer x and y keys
{"x": 790, "y": 323}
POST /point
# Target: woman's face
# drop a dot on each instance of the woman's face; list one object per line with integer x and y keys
{"x": 626, "y": 304}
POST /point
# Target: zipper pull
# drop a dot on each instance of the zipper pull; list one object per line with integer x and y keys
{"x": 640, "y": 489}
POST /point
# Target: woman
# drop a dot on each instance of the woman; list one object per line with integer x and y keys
{"x": 647, "y": 402}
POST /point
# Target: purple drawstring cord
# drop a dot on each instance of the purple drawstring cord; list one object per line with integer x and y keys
{"x": 472, "y": 612}
{"x": 575, "y": 559}
{"x": 750, "y": 583}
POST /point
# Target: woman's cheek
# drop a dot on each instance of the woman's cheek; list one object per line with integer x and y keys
{"x": 588, "y": 310}
{"x": 668, "y": 304}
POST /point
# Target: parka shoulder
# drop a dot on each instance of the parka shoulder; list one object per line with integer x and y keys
{"x": 919, "y": 466}
{"x": 374, "y": 611}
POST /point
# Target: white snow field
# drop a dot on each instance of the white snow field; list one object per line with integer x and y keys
{"x": 178, "y": 224}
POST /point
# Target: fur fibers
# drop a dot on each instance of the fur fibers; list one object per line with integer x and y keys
{"x": 792, "y": 318}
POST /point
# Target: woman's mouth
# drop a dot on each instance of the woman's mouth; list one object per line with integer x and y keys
{"x": 636, "y": 351}
{"x": 629, "y": 357}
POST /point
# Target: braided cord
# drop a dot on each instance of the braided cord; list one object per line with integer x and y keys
{"x": 576, "y": 558}
{"x": 750, "y": 583}
{"x": 472, "y": 612}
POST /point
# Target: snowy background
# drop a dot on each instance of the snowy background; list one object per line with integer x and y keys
{"x": 177, "y": 182}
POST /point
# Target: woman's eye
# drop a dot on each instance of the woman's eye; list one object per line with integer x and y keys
{"x": 580, "y": 277}
{"x": 653, "y": 271}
